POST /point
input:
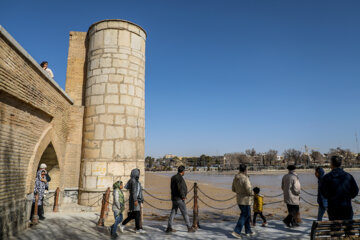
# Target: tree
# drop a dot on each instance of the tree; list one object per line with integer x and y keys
{"x": 149, "y": 161}
{"x": 251, "y": 152}
{"x": 270, "y": 157}
{"x": 346, "y": 154}
{"x": 292, "y": 156}
{"x": 317, "y": 157}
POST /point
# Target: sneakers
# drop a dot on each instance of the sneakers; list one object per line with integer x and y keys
{"x": 264, "y": 224}
{"x": 170, "y": 230}
{"x": 236, "y": 235}
{"x": 121, "y": 228}
{"x": 287, "y": 224}
{"x": 42, "y": 218}
{"x": 191, "y": 230}
{"x": 141, "y": 231}
{"x": 250, "y": 234}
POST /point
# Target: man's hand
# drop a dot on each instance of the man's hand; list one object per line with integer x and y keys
{"x": 43, "y": 180}
{"x": 136, "y": 203}
{"x": 184, "y": 198}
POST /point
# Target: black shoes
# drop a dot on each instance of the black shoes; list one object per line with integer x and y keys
{"x": 170, "y": 230}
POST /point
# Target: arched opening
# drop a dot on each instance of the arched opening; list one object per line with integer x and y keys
{"x": 50, "y": 159}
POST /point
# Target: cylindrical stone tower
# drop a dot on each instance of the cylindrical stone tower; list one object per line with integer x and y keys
{"x": 114, "y": 121}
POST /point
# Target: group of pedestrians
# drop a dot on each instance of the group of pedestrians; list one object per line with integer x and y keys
{"x": 335, "y": 192}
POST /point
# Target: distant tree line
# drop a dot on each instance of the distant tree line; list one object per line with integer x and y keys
{"x": 255, "y": 160}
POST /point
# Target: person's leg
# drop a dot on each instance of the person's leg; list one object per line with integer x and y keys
{"x": 262, "y": 217}
{"x": 241, "y": 221}
{"x": 321, "y": 212}
{"x": 248, "y": 219}
{"x": 293, "y": 215}
{"x": 137, "y": 219}
{"x": 129, "y": 218}
{"x": 254, "y": 218}
{"x": 41, "y": 212}
{"x": 118, "y": 220}
{"x": 183, "y": 210}
{"x": 172, "y": 214}
{"x": 287, "y": 220}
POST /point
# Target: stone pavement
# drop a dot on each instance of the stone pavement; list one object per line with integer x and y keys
{"x": 83, "y": 226}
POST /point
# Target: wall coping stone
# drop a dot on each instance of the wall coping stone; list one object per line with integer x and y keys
{"x": 20, "y": 49}
{"x": 117, "y": 20}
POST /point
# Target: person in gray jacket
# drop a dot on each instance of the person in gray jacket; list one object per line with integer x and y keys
{"x": 118, "y": 207}
{"x": 291, "y": 187}
{"x": 135, "y": 199}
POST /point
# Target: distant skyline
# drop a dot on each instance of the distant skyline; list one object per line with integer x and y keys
{"x": 224, "y": 76}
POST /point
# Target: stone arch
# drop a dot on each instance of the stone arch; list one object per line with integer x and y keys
{"x": 47, "y": 144}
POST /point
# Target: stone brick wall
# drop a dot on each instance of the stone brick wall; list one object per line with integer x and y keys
{"x": 34, "y": 112}
{"x": 114, "y": 121}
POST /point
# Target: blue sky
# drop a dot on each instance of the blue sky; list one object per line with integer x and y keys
{"x": 224, "y": 76}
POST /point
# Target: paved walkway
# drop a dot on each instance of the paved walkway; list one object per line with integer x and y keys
{"x": 83, "y": 226}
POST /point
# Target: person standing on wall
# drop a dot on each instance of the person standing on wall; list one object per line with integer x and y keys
{"x": 321, "y": 200}
{"x": 135, "y": 199}
{"x": 178, "y": 196}
{"x": 44, "y": 65}
{"x": 339, "y": 187}
{"x": 291, "y": 187}
{"x": 242, "y": 187}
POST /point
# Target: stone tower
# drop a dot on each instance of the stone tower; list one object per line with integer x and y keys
{"x": 114, "y": 118}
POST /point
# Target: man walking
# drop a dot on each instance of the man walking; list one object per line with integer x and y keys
{"x": 242, "y": 187}
{"x": 339, "y": 187}
{"x": 291, "y": 187}
{"x": 178, "y": 196}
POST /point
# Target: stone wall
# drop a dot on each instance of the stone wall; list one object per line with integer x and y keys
{"x": 114, "y": 121}
{"x": 34, "y": 113}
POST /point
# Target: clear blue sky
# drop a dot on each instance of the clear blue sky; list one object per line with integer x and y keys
{"x": 224, "y": 76}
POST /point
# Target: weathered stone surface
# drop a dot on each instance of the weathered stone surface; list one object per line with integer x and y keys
{"x": 125, "y": 149}
{"x": 107, "y": 149}
{"x": 116, "y": 168}
{"x": 104, "y": 182}
{"x": 116, "y": 109}
{"x": 113, "y": 132}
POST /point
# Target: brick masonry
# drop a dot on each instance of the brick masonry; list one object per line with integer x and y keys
{"x": 89, "y": 136}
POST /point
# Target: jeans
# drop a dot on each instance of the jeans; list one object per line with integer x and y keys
{"x": 244, "y": 219}
{"x": 291, "y": 217}
{"x": 118, "y": 220}
{"x": 178, "y": 204}
{"x": 321, "y": 213}
{"x": 133, "y": 215}
{"x": 261, "y": 215}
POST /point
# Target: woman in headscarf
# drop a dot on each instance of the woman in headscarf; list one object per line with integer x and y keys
{"x": 135, "y": 199}
{"x": 321, "y": 200}
{"x": 118, "y": 207}
{"x": 40, "y": 185}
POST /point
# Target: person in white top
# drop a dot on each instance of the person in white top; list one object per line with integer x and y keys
{"x": 44, "y": 65}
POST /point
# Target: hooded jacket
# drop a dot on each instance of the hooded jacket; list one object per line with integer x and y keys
{"x": 258, "y": 203}
{"x": 135, "y": 189}
{"x": 40, "y": 187}
{"x": 291, "y": 187}
{"x": 339, "y": 187}
{"x": 242, "y": 187}
{"x": 119, "y": 202}
{"x": 178, "y": 187}
{"x": 321, "y": 200}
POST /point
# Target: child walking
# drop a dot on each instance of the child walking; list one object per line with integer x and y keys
{"x": 118, "y": 207}
{"x": 258, "y": 206}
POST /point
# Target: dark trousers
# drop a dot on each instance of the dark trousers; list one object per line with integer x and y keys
{"x": 340, "y": 213}
{"x": 133, "y": 215}
{"x": 40, "y": 210}
{"x": 292, "y": 212}
{"x": 261, "y": 215}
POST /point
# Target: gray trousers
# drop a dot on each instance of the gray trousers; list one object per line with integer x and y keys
{"x": 179, "y": 204}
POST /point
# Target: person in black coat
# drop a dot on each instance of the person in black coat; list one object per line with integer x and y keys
{"x": 178, "y": 196}
{"x": 321, "y": 200}
{"x": 339, "y": 187}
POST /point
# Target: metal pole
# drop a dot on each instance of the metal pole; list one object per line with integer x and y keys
{"x": 104, "y": 206}
{"x": 35, "y": 216}
{"x": 56, "y": 200}
{"x": 195, "y": 208}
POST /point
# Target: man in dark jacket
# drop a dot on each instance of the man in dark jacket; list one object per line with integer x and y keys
{"x": 178, "y": 196}
{"x": 339, "y": 187}
{"x": 321, "y": 200}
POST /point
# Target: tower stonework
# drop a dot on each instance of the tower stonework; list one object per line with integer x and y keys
{"x": 114, "y": 118}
